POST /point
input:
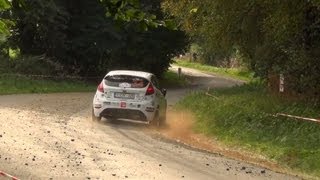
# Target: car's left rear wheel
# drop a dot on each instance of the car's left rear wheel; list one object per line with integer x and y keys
{"x": 95, "y": 118}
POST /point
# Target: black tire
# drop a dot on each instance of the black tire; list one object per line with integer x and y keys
{"x": 156, "y": 120}
{"x": 159, "y": 120}
{"x": 94, "y": 118}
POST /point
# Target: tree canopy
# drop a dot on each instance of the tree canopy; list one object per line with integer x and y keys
{"x": 4, "y": 5}
{"x": 271, "y": 36}
{"x": 89, "y": 38}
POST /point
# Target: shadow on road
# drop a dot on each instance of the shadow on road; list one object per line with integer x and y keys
{"x": 124, "y": 124}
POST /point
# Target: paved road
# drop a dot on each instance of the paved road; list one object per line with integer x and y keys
{"x": 44, "y": 136}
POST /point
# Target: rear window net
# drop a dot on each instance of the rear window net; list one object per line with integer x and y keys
{"x": 126, "y": 81}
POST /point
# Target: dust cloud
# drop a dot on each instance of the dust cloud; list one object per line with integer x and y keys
{"x": 180, "y": 127}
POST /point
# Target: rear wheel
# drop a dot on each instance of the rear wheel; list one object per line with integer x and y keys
{"x": 159, "y": 120}
{"x": 94, "y": 118}
{"x": 156, "y": 120}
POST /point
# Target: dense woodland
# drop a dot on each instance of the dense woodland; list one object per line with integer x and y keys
{"x": 86, "y": 38}
{"x": 268, "y": 36}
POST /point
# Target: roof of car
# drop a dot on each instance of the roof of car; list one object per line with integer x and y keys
{"x": 130, "y": 73}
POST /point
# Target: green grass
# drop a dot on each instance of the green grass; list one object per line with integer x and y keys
{"x": 240, "y": 74}
{"x": 171, "y": 80}
{"x": 242, "y": 117}
{"x": 11, "y": 84}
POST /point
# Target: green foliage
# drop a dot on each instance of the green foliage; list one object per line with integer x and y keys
{"x": 271, "y": 36}
{"x": 31, "y": 65}
{"x": 4, "y": 31}
{"x": 88, "y": 38}
{"x": 237, "y": 73}
{"x": 4, "y": 4}
{"x": 133, "y": 11}
{"x": 13, "y": 84}
{"x": 77, "y": 34}
{"x": 152, "y": 50}
{"x": 172, "y": 80}
{"x": 243, "y": 117}
{"x": 149, "y": 44}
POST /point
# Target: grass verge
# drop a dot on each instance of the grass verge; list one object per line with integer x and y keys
{"x": 242, "y": 117}
{"x": 171, "y": 80}
{"x": 12, "y": 84}
{"x": 240, "y": 74}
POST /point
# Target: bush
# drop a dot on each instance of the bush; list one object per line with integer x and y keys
{"x": 15, "y": 84}
{"x": 31, "y": 65}
{"x": 5, "y": 65}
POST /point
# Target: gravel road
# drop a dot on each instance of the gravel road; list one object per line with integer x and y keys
{"x": 51, "y": 136}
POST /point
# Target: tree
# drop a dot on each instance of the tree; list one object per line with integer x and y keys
{"x": 90, "y": 37}
{"x": 150, "y": 50}
{"x": 4, "y": 31}
{"x": 271, "y": 36}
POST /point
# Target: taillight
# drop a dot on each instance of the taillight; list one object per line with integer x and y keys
{"x": 150, "y": 90}
{"x": 100, "y": 87}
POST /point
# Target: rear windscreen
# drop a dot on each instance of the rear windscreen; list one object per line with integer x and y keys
{"x": 126, "y": 81}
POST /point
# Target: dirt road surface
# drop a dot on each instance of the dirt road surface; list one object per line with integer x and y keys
{"x": 51, "y": 136}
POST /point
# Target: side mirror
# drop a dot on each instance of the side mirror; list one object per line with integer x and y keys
{"x": 164, "y": 92}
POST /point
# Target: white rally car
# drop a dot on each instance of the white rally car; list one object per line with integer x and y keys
{"x": 130, "y": 95}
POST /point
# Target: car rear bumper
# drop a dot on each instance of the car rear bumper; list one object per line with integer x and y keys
{"x": 138, "y": 111}
{"x": 131, "y": 114}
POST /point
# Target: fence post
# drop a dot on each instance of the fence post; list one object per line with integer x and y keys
{"x": 281, "y": 83}
{"x": 179, "y": 72}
